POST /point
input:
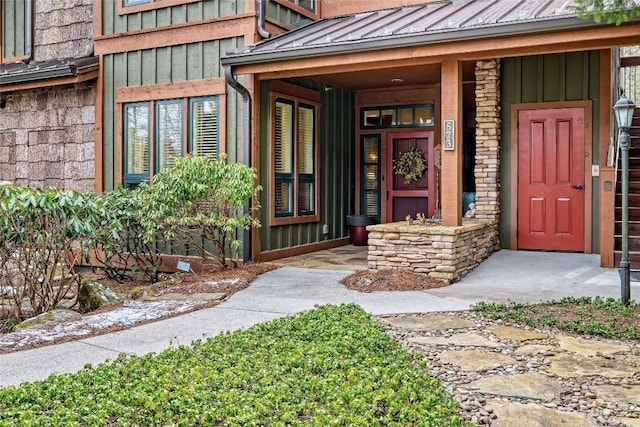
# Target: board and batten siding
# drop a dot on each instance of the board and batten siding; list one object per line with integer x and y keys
{"x": 180, "y": 63}
{"x": 571, "y": 76}
{"x": 336, "y": 158}
{"x": 112, "y": 23}
{"x": 12, "y": 25}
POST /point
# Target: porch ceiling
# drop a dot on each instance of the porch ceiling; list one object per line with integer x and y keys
{"x": 406, "y": 76}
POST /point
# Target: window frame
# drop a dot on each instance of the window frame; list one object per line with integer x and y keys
{"x": 151, "y": 95}
{"x": 295, "y": 6}
{"x": 136, "y": 178}
{"x": 297, "y": 97}
{"x": 190, "y": 134}
{"x": 18, "y": 57}
{"x": 378, "y": 166}
{"x": 396, "y": 109}
{"x": 125, "y": 7}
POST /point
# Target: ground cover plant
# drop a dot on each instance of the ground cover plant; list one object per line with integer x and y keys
{"x": 329, "y": 366}
{"x": 605, "y": 317}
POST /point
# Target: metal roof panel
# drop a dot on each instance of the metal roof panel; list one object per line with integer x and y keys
{"x": 430, "y": 22}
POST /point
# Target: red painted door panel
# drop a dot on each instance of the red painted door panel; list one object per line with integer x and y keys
{"x": 550, "y": 167}
{"x": 417, "y": 196}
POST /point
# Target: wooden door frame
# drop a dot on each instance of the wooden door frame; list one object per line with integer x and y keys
{"x": 388, "y": 167}
{"x": 588, "y": 148}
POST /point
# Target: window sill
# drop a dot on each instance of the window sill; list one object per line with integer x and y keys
{"x": 290, "y": 220}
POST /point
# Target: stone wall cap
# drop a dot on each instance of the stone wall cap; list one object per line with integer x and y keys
{"x": 468, "y": 225}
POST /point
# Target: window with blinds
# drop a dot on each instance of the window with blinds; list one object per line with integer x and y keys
{"x": 283, "y": 157}
{"x": 203, "y": 138}
{"x": 136, "y": 140}
{"x": 204, "y": 127}
{"x": 370, "y": 176}
{"x": 294, "y": 158}
{"x": 306, "y": 159}
{"x": 169, "y": 133}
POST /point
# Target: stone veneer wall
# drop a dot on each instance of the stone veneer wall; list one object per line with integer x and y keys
{"x": 487, "y": 168}
{"x": 447, "y": 253}
{"x": 47, "y": 137}
{"x": 47, "y": 134}
{"x": 63, "y": 29}
{"x": 450, "y": 253}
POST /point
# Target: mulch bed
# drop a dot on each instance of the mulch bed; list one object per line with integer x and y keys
{"x": 390, "y": 280}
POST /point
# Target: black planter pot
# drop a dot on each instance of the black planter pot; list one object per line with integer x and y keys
{"x": 358, "y": 233}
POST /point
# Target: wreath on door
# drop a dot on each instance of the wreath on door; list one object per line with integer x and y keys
{"x": 410, "y": 165}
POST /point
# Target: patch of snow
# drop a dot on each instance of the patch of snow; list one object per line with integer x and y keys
{"x": 217, "y": 282}
{"x": 131, "y": 313}
{"x": 7, "y": 290}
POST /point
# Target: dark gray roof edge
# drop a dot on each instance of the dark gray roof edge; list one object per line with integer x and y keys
{"x": 454, "y": 35}
{"x": 40, "y": 71}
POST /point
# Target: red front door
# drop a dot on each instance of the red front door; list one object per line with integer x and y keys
{"x": 415, "y": 196}
{"x": 551, "y": 179}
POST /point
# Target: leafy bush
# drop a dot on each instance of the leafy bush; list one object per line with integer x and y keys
{"x": 119, "y": 244}
{"x": 329, "y": 366}
{"x": 201, "y": 198}
{"x": 38, "y": 230}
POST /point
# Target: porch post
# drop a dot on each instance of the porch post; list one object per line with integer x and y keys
{"x": 451, "y": 109}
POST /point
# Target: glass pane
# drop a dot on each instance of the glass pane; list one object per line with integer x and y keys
{"x": 169, "y": 137}
{"x": 405, "y": 116}
{"x": 283, "y": 137}
{"x": 308, "y": 4}
{"x": 282, "y": 198}
{"x": 424, "y": 116}
{"x": 305, "y": 198}
{"x": 371, "y": 118}
{"x": 371, "y": 177}
{"x": 371, "y": 203}
{"x": 204, "y": 127}
{"x": 137, "y": 139}
{"x": 306, "y": 132}
{"x": 370, "y": 150}
{"x": 389, "y": 117}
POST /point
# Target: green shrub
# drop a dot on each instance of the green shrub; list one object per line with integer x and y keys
{"x": 119, "y": 244}
{"x": 201, "y": 198}
{"x": 39, "y": 228}
{"x": 329, "y": 366}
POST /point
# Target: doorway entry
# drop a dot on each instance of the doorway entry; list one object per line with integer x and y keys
{"x": 413, "y": 196}
{"x": 551, "y": 179}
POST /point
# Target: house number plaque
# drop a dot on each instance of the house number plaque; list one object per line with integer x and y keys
{"x": 449, "y": 135}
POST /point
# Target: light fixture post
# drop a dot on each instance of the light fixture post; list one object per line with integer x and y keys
{"x": 623, "y": 110}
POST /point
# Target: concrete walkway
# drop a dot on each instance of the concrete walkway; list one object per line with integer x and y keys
{"x": 505, "y": 276}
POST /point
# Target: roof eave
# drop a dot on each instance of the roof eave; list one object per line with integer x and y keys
{"x": 407, "y": 41}
{"x": 70, "y": 70}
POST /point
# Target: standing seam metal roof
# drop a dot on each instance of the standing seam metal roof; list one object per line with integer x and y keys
{"x": 426, "y": 23}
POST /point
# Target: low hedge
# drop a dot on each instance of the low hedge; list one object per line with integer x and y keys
{"x": 329, "y": 366}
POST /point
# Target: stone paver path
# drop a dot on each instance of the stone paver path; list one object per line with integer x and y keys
{"x": 513, "y": 376}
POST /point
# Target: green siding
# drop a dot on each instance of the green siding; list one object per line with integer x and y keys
{"x": 285, "y": 15}
{"x": 337, "y": 150}
{"x": 13, "y": 26}
{"x": 548, "y": 78}
{"x": 162, "y": 65}
{"x": 113, "y": 23}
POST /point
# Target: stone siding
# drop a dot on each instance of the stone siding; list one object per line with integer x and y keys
{"x": 63, "y": 29}
{"x": 47, "y": 134}
{"x": 487, "y": 167}
{"x": 447, "y": 253}
{"x": 47, "y": 137}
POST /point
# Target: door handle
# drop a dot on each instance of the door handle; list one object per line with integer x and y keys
{"x": 578, "y": 186}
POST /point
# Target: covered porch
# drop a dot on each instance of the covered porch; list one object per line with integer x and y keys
{"x": 388, "y": 82}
